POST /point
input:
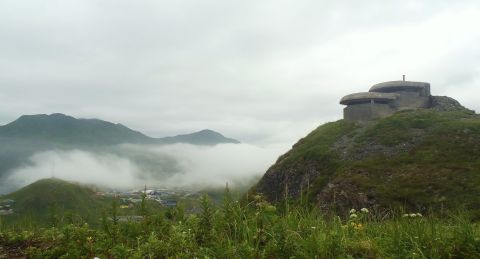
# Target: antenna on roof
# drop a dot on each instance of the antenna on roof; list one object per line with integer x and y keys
{"x": 403, "y": 78}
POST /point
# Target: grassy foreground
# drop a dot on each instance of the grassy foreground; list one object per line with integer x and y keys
{"x": 254, "y": 230}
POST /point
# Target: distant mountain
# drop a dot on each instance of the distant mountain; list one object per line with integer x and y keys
{"x": 69, "y": 130}
{"x": 62, "y": 129}
{"x": 31, "y": 134}
{"x": 203, "y": 137}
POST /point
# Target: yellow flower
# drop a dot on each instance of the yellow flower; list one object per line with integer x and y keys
{"x": 358, "y": 226}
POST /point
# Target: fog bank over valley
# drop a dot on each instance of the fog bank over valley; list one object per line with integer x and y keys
{"x": 130, "y": 166}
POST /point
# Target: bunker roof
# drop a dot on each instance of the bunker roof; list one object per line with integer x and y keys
{"x": 392, "y": 86}
{"x": 366, "y": 97}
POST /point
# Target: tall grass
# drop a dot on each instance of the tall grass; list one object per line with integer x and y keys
{"x": 256, "y": 229}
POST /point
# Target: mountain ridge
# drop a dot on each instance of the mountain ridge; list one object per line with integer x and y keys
{"x": 31, "y": 134}
{"x": 66, "y": 129}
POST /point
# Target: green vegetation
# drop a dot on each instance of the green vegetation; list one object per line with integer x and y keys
{"x": 424, "y": 160}
{"x": 254, "y": 230}
{"x": 53, "y": 201}
{"x": 42, "y": 203}
{"x": 316, "y": 146}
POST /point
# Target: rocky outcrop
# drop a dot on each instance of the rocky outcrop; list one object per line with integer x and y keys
{"x": 445, "y": 103}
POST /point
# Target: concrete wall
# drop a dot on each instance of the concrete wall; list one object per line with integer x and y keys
{"x": 410, "y": 100}
{"x": 367, "y": 111}
{"x": 404, "y": 97}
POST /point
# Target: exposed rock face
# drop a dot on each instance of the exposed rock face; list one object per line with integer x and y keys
{"x": 445, "y": 103}
{"x": 419, "y": 159}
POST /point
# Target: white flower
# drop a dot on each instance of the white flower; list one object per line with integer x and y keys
{"x": 353, "y": 216}
{"x": 313, "y": 227}
{"x": 353, "y": 211}
{"x": 364, "y": 210}
{"x": 419, "y": 215}
{"x": 405, "y": 215}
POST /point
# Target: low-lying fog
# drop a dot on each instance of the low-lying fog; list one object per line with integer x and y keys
{"x": 132, "y": 166}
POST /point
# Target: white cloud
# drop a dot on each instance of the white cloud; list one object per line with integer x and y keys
{"x": 263, "y": 72}
{"x": 198, "y": 166}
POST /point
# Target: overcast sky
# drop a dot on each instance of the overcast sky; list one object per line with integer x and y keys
{"x": 261, "y": 71}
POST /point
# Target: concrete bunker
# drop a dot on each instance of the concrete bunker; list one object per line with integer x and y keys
{"x": 384, "y": 99}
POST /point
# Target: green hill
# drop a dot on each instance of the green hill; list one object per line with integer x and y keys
{"x": 203, "y": 137}
{"x": 420, "y": 160}
{"x": 38, "y": 202}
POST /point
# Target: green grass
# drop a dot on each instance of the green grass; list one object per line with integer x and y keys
{"x": 317, "y": 145}
{"x": 254, "y": 230}
{"x": 53, "y": 201}
{"x": 40, "y": 202}
{"x": 419, "y": 159}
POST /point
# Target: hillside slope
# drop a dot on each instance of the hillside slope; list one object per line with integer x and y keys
{"x": 418, "y": 159}
{"x": 39, "y": 201}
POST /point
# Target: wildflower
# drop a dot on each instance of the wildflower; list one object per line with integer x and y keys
{"x": 364, "y": 210}
{"x": 419, "y": 215}
{"x": 89, "y": 239}
{"x": 352, "y": 211}
{"x": 353, "y": 216}
{"x": 412, "y": 215}
{"x": 405, "y": 215}
{"x": 358, "y": 226}
{"x": 96, "y": 257}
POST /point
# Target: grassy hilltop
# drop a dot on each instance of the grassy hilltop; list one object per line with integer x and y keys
{"x": 419, "y": 160}
{"x": 39, "y": 202}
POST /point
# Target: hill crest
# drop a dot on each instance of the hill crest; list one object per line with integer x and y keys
{"x": 419, "y": 159}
